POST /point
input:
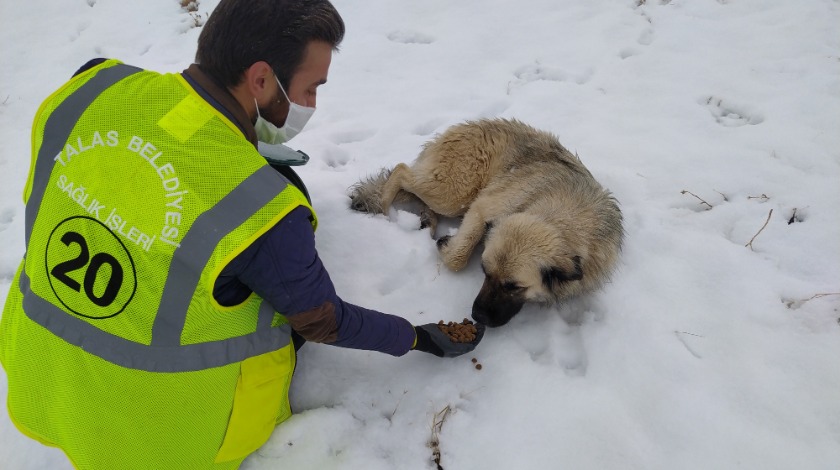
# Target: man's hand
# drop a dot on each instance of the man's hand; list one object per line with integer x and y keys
{"x": 432, "y": 340}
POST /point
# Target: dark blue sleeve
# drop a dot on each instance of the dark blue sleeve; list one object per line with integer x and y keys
{"x": 89, "y": 65}
{"x": 283, "y": 267}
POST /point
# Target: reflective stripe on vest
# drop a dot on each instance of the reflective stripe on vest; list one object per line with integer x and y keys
{"x": 165, "y": 354}
{"x": 58, "y": 128}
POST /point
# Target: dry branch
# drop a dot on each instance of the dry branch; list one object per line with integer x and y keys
{"x": 792, "y": 217}
{"x": 759, "y": 230}
{"x": 817, "y": 296}
{"x": 398, "y": 403}
{"x": 437, "y": 426}
{"x": 795, "y": 304}
{"x": 684, "y": 191}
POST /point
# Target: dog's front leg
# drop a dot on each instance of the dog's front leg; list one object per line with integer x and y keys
{"x": 455, "y": 251}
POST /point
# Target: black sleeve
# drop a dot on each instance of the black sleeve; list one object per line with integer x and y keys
{"x": 89, "y": 65}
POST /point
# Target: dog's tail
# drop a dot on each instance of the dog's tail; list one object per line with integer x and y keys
{"x": 366, "y": 195}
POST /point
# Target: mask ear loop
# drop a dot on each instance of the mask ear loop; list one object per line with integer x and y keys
{"x": 281, "y": 89}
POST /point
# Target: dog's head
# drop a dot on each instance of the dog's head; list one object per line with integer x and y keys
{"x": 525, "y": 259}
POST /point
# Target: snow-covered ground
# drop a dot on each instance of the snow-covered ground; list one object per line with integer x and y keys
{"x": 701, "y": 116}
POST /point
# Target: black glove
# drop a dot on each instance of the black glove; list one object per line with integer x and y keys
{"x": 432, "y": 340}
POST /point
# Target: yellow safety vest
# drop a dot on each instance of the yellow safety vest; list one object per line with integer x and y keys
{"x": 140, "y": 192}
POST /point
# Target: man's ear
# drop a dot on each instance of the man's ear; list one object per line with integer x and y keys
{"x": 258, "y": 80}
{"x": 254, "y": 84}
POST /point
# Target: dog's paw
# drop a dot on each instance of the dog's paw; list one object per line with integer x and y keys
{"x": 452, "y": 255}
{"x": 453, "y": 259}
{"x": 455, "y": 264}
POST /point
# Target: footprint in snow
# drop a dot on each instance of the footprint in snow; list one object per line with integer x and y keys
{"x": 351, "y": 136}
{"x": 551, "y": 341}
{"x": 646, "y": 38}
{"x": 728, "y": 114}
{"x": 537, "y": 72}
{"x": 335, "y": 157}
{"x": 628, "y": 52}
{"x": 80, "y": 28}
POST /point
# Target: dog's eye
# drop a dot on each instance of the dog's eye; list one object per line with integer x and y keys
{"x": 511, "y": 287}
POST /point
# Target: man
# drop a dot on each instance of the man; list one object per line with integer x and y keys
{"x": 167, "y": 266}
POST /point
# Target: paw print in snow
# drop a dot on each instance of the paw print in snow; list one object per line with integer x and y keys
{"x": 536, "y": 72}
{"x": 730, "y": 115}
{"x": 352, "y": 136}
{"x": 336, "y": 157}
{"x": 646, "y": 38}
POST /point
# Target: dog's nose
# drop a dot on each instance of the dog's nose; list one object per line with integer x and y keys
{"x": 479, "y": 317}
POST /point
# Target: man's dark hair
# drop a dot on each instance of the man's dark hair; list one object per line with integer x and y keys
{"x": 242, "y": 32}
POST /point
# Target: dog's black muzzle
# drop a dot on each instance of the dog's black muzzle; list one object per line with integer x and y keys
{"x": 495, "y": 305}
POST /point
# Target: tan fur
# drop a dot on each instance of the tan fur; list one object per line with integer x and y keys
{"x": 544, "y": 206}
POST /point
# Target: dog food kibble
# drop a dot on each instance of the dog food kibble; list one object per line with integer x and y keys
{"x": 463, "y": 332}
{"x": 478, "y": 366}
{"x": 474, "y": 360}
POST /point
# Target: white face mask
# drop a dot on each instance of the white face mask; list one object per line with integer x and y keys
{"x": 297, "y": 117}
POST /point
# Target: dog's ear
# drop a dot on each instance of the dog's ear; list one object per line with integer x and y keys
{"x": 555, "y": 275}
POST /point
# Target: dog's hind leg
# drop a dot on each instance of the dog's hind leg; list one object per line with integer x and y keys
{"x": 428, "y": 218}
{"x": 399, "y": 180}
{"x": 400, "y": 186}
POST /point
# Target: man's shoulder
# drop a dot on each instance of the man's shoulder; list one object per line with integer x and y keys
{"x": 89, "y": 65}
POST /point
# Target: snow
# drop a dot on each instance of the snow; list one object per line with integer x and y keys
{"x": 701, "y": 353}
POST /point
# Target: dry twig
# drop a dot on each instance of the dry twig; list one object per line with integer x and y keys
{"x": 437, "y": 426}
{"x": 792, "y": 217}
{"x": 763, "y": 197}
{"x": 795, "y": 304}
{"x": 687, "y": 347}
{"x": 817, "y": 296}
{"x": 759, "y": 231}
{"x": 684, "y": 191}
{"x": 398, "y": 403}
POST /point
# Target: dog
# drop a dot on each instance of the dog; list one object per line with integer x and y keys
{"x": 550, "y": 230}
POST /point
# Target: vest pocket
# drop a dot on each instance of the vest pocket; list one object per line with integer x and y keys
{"x": 260, "y": 402}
